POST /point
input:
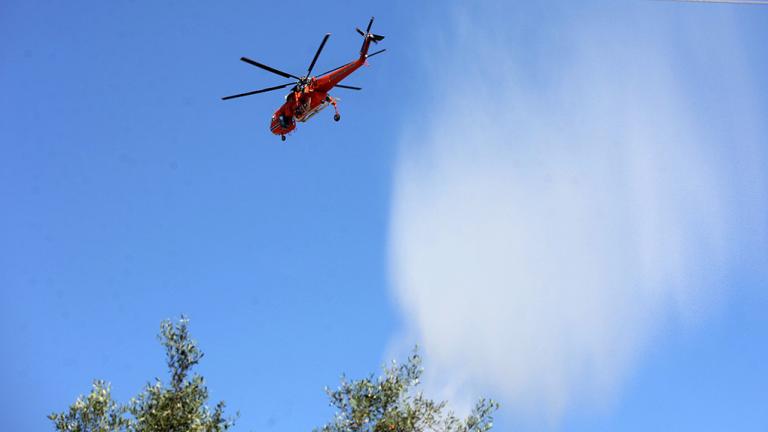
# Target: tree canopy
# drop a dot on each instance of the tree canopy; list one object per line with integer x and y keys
{"x": 391, "y": 403}
{"x": 388, "y": 403}
{"x": 179, "y": 406}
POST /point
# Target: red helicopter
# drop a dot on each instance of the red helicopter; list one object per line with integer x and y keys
{"x": 309, "y": 94}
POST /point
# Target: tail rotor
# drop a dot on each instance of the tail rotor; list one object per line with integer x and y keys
{"x": 368, "y": 38}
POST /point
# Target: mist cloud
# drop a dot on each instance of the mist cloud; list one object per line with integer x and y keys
{"x": 543, "y": 231}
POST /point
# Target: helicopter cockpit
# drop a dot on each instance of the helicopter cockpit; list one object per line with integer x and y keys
{"x": 285, "y": 121}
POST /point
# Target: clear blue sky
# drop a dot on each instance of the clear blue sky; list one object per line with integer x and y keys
{"x": 130, "y": 193}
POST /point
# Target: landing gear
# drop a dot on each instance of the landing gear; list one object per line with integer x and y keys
{"x": 282, "y": 137}
{"x": 337, "y": 116}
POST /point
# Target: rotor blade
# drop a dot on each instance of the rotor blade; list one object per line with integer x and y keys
{"x": 267, "y": 68}
{"x": 377, "y": 52}
{"x": 360, "y": 31}
{"x": 334, "y": 69}
{"x": 348, "y": 87}
{"x": 317, "y": 54}
{"x": 256, "y": 91}
{"x": 370, "y": 23}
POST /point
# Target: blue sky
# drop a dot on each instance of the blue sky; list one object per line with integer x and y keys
{"x": 130, "y": 193}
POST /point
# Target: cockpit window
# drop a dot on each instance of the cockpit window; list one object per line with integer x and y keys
{"x": 285, "y": 121}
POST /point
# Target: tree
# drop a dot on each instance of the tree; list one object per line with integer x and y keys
{"x": 96, "y": 412}
{"x": 390, "y": 404}
{"x": 178, "y": 407}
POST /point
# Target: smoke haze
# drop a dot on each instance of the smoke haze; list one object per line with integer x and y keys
{"x": 545, "y": 229}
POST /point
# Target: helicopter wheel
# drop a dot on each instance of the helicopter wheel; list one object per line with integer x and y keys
{"x": 282, "y": 137}
{"x": 336, "y": 117}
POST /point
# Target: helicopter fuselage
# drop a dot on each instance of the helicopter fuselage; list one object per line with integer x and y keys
{"x": 303, "y": 103}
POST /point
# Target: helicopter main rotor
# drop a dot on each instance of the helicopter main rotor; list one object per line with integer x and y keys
{"x": 299, "y": 84}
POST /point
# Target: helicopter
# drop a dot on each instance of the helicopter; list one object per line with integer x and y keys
{"x": 309, "y": 94}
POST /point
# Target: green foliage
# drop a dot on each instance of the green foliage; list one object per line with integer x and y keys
{"x": 96, "y": 412}
{"x": 390, "y": 404}
{"x": 179, "y": 407}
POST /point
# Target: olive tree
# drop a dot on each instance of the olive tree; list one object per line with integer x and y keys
{"x": 391, "y": 403}
{"x": 96, "y": 412}
{"x": 388, "y": 403}
{"x": 179, "y": 406}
